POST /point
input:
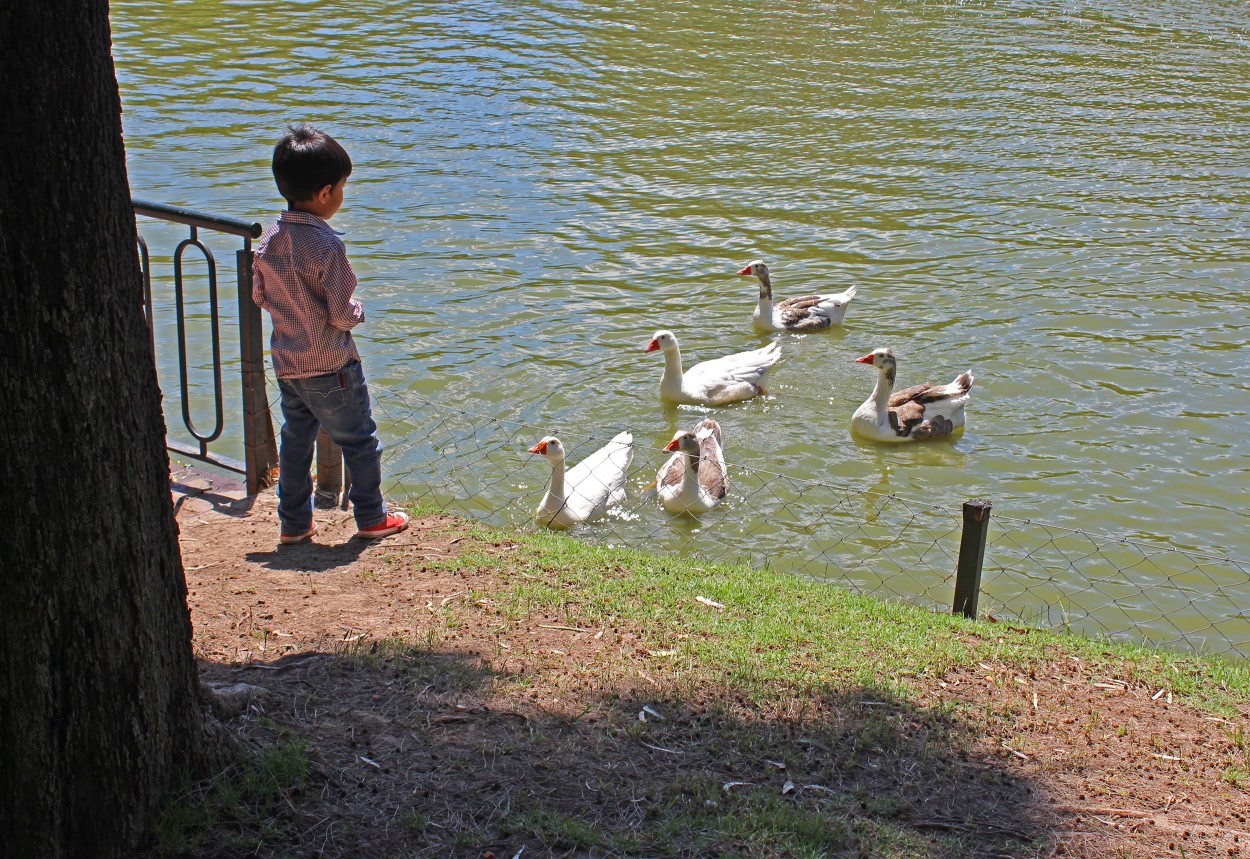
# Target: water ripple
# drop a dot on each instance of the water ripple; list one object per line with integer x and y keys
{"x": 1051, "y": 194}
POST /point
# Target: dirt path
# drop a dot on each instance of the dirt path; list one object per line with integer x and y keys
{"x": 503, "y": 734}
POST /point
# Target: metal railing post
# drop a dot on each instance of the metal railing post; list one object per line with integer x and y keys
{"x": 971, "y": 557}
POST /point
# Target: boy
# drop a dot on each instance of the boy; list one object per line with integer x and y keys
{"x": 302, "y": 277}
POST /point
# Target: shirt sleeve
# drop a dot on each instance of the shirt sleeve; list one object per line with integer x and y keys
{"x": 340, "y": 282}
{"x": 258, "y": 286}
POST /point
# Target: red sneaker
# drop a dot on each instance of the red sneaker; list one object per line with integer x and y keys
{"x": 392, "y": 524}
{"x": 300, "y": 536}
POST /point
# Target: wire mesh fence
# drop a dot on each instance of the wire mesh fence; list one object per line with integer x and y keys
{"x": 1051, "y": 576}
{"x": 868, "y": 541}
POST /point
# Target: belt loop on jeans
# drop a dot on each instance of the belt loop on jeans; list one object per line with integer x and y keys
{"x": 342, "y": 380}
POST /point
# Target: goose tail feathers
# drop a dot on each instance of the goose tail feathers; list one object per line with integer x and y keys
{"x": 708, "y": 428}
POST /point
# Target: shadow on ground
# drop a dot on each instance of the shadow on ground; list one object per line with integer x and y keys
{"x": 422, "y": 754}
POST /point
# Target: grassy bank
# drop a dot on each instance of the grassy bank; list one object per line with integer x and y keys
{"x": 774, "y": 631}
{"x": 538, "y": 694}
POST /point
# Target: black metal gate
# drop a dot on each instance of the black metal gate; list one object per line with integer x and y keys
{"x": 260, "y": 447}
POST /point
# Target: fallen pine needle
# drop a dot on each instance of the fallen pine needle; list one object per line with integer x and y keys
{"x": 817, "y": 787}
{"x": 1020, "y": 755}
{"x": 1111, "y": 812}
{"x": 643, "y": 713}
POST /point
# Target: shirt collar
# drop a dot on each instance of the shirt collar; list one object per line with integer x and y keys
{"x": 290, "y": 216}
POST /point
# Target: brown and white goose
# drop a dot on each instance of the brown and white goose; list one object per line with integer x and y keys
{"x": 695, "y": 478}
{"x": 919, "y": 413}
{"x": 590, "y": 487}
{"x": 800, "y": 315}
{"x": 717, "y": 382}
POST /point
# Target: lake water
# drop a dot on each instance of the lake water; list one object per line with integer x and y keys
{"x": 1055, "y": 195}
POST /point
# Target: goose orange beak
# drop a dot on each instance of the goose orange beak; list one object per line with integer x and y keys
{"x": 652, "y": 346}
{"x": 671, "y": 446}
{"x": 541, "y": 447}
{"x": 867, "y": 359}
{"x": 745, "y": 270}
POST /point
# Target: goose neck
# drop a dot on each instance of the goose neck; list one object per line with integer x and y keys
{"x": 672, "y": 363}
{"x": 690, "y": 479}
{"x": 884, "y": 387}
{"x": 557, "y": 478}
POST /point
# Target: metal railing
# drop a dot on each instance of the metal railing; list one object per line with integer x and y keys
{"x": 260, "y": 447}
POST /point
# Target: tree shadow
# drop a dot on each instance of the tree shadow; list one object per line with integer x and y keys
{"x": 434, "y": 753}
{"x": 895, "y": 776}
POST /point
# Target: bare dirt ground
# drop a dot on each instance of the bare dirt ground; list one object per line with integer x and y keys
{"x": 533, "y": 737}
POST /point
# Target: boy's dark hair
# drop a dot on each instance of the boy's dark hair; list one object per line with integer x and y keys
{"x": 306, "y": 160}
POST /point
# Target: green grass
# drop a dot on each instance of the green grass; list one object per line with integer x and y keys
{"x": 696, "y": 818}
{"x": 251, "y": 794}
{"x": 778, "y": 630}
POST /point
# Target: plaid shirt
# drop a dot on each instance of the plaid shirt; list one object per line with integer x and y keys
{"x": 302, "y": 277}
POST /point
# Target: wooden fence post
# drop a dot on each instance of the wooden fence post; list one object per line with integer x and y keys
{"x": 971, "y": 557}
{"x": 329, "y": 471}
{"x": 259, "y": 444}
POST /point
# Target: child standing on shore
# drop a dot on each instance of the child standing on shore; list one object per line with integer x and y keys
{"x": 302, "y": 277}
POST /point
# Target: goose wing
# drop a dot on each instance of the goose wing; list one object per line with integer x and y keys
{"x": 713, "y": 473}
{"x": 672, "y": 471}
{"x": 803, "y": 314}
{"x": 914, "y": 406}
{"x": 956, "y": 391}
{"x": 612, "y": 459}
{"x": 733, "y": 376}
{"x": 592, "y": 483}
{"x": 814, "y": 312}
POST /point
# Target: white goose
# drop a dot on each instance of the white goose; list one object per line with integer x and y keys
{"x": 801, "y": 315}
{"x": 695, "y": 479}
{"x": 590, "y": 487}
{"x": 919, "y": 413}
{"x": 716, "y": 382}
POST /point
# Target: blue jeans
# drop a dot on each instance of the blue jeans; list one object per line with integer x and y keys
{"x": 339, "y": 402}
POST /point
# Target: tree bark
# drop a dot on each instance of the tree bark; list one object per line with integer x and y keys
{"x": 99, "y": 715}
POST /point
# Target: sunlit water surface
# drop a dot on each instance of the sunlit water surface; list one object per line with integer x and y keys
{"x": 1055, "y": 195}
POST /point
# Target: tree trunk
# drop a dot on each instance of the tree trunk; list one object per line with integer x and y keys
{"x": 99, "y": 715}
